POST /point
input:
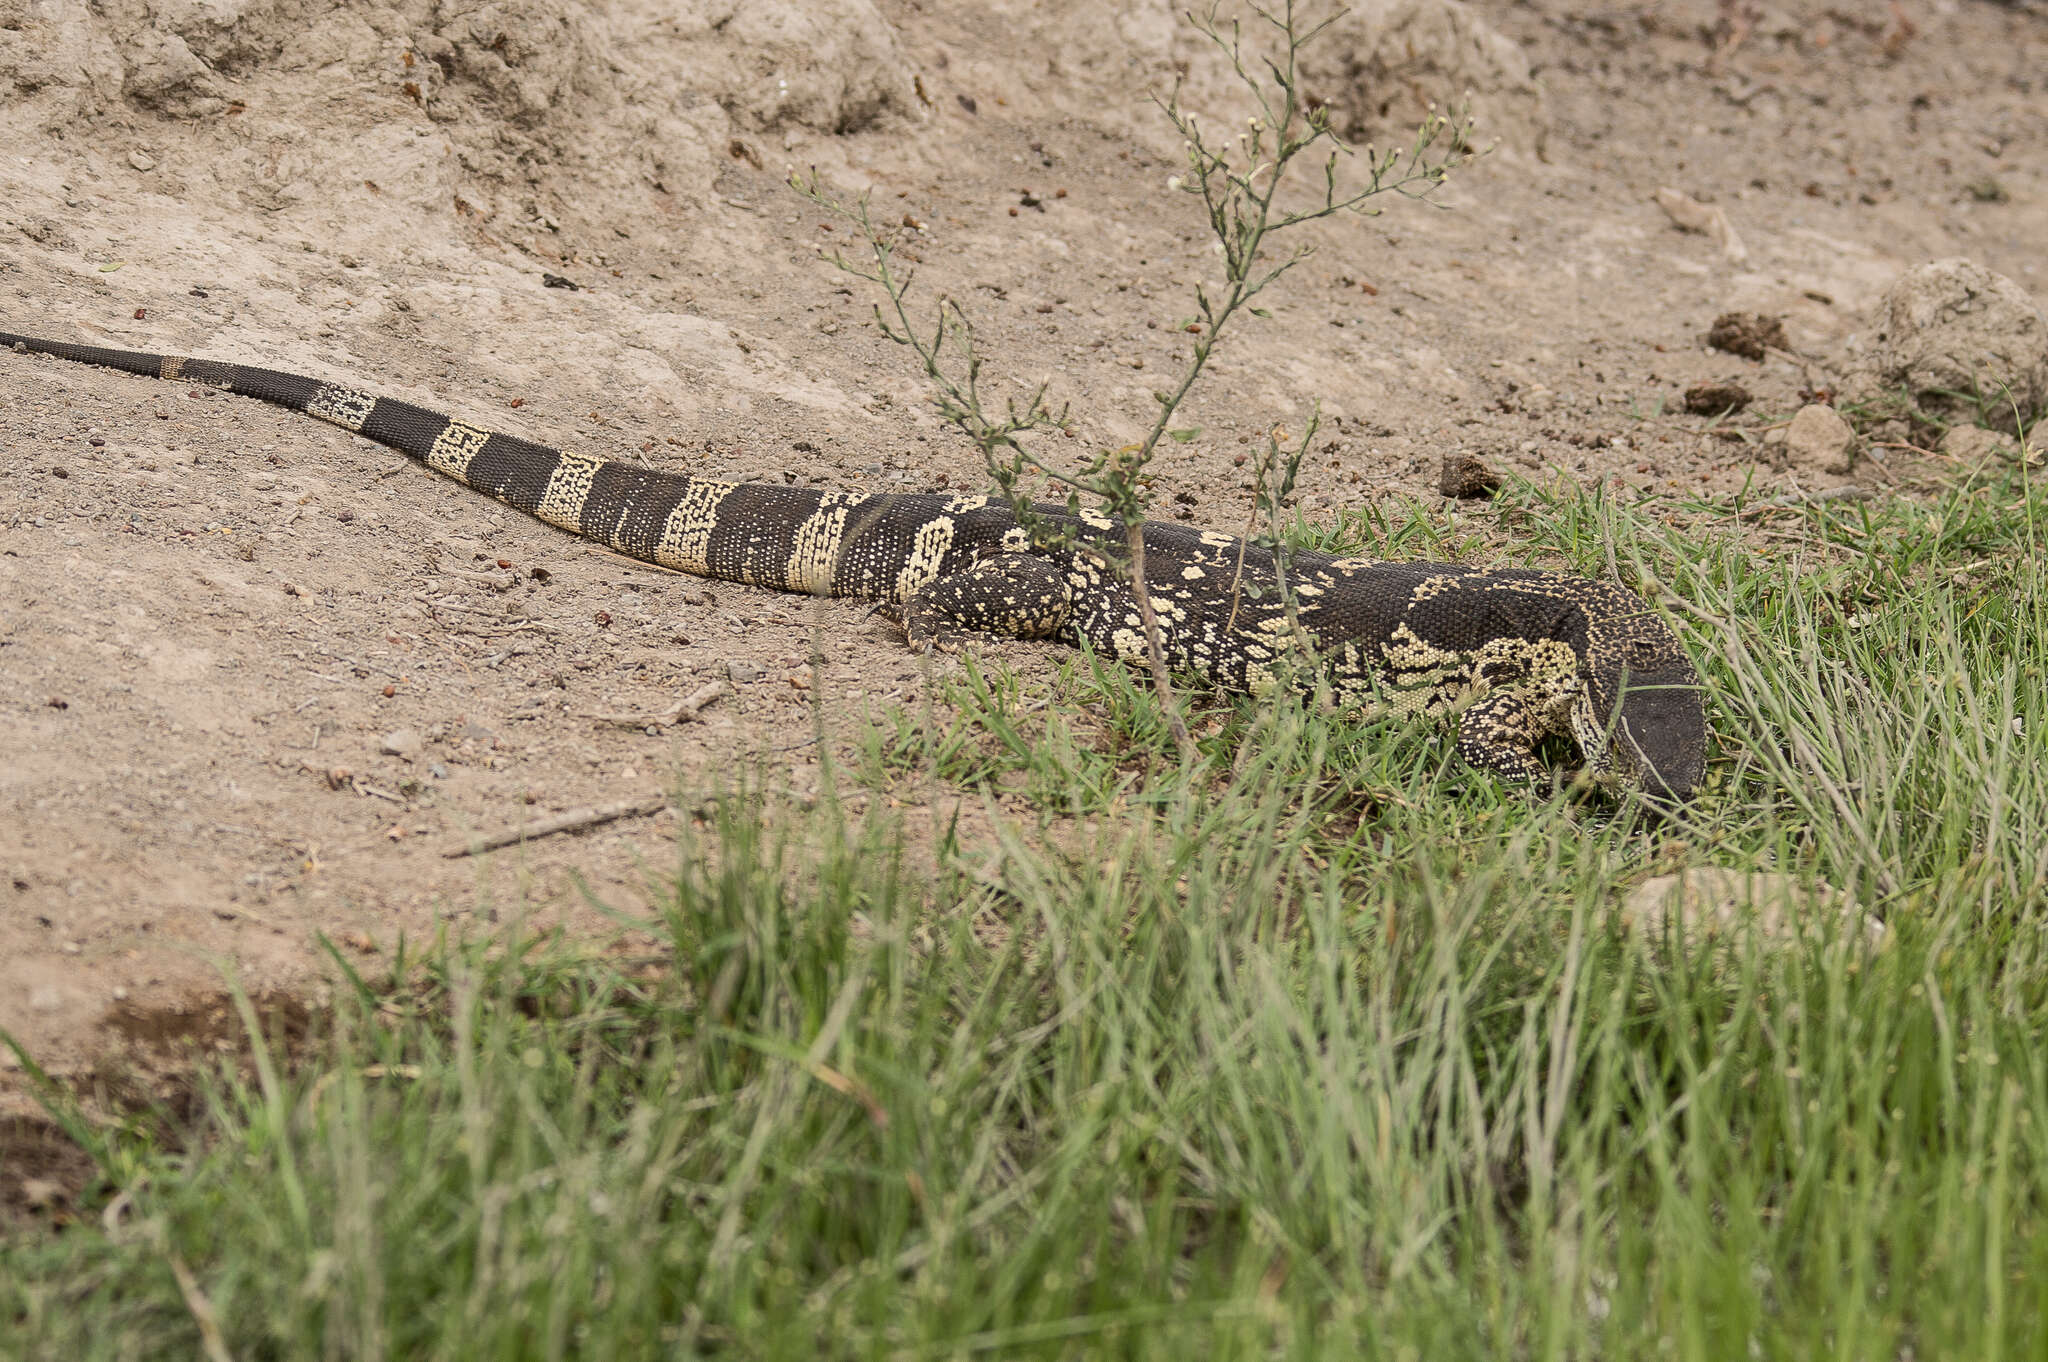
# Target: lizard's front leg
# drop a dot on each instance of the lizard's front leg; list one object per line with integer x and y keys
{"x": 1498, "y": 733}
{"x": 1019, "y": 594}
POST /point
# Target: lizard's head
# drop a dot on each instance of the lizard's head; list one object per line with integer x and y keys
{"x": 1638, "y": 714}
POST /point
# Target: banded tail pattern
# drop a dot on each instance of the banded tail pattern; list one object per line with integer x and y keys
{"x": 869, "y": 546}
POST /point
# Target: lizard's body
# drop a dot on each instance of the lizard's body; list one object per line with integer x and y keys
{"x": 1517, "y": 655}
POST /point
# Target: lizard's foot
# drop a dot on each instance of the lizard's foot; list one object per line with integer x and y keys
{"x": 1018, "y": 594}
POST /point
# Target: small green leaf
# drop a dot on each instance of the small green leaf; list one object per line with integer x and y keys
{"x": 109, "y": 269}
{"x": 1260, "y": 312}
{"x": 1183, "y": 436}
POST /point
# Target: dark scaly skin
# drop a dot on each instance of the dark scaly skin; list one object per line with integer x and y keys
{"x": 1516, "y": 656}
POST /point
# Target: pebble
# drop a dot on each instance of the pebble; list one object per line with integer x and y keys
{"x": 141, "y": 160}
{"x": 1974, "y": 444}
{"x": 401, "y": 742}
{"x": 1819, "y": 438}
{"x": 1979, "y": 445}
{"x": 741, "y": 673}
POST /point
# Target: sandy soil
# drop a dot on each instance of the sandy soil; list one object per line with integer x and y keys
{"x": 215, "y": 616}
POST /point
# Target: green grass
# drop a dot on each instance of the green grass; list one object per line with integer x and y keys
{"x": 1323, "y": 1046}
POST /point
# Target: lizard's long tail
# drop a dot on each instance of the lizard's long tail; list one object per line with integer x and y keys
{"x": 795, "y": 539}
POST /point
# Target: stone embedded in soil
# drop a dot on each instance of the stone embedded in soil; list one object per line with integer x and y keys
{"x": 1714, "y": 399}
{"x": 1974, "y": 444}
{"x": 1954, "y": 327}
{"x": 1706, "y": 902}
{"x": 38, "y": 228}
{"x": 1748, "y": 334}
{"x": 401, "y": 742}
{"x": 1464, "y": 476}
{"x": 1819, "y": 439}
{"x": 1381, "y": 66}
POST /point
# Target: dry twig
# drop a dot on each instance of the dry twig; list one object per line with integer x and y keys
{"x": 201, "y": 1309}
{"x": 1792, "y": 500}
{"x": 685, "y": 708}
{"x": 575, "y": 820}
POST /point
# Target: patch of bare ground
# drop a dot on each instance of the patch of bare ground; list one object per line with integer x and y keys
{"x": 146, "y": 1072}
{"x": 259, "y": 674}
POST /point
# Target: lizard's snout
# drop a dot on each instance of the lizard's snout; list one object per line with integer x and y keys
{"x": 1661, "y": 733}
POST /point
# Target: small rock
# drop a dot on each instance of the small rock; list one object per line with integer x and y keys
{"x": 1716, "y": 399}
{"x": 742, "y": 673}
{"x": 141, "y": 160}
{"x": 1464, "y": 476}
{"x": 1974, "y": 444}
{"x": 1715, "y": 901}
{"x": 1819, "y": 438}
{"x": 1748, "y": 334}
{"x": 401, "y": 742}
